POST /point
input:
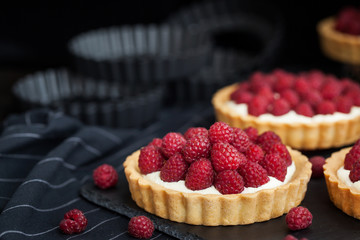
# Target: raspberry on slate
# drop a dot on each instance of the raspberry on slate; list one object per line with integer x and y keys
{"x": 74, "y": 222}
{"x": 253, "y": 174}
{"x": 200, "y": 175}
{"x": 241, "y": 140}
{"x": 275, "y": 166}
{"x": 355, "y": 172}
{"x": 289, "y": 237}
{"x": 172, "y": 143}
{"x": 221, "y": 132}
{"x": 225, "y": 157}
{"x": 105, "y": 176}
{"x": 283, "y": 152}
{"x": 191, "y": 132}
{"x": 351, "y": 157}
{"x": 298, "y": 218}
{"x": 174, "y": 169}
{"x": 305, "y": 109}
{"x": 156, "y": 142}
{"x": 254, "y": 153}
{"x": 141, "y": 227}
{"x": 150, "y": 160}
{"x": 229, "y": 182}
{"x": 252, "y": 133}
{"x": 196, "y": 147}
{"x": 317, "y": 163}
{"x": 267, "y": 139}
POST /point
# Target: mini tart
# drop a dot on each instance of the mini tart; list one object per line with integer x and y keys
{"x": 336, "y": 45}
{"x": 344, "y": 197}
{"x": 307, "y": 136}
{"x": 214, "y": 210}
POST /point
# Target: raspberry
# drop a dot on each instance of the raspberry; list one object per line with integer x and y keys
{"x": 355, "y": 172}
{"x": 304, "y": 109}
{"x": 254, "y": 153}
{"x": 150, "y": 160}
{"x": 235, "y": 94}
{"x": 221, "y": 132}
{"x": 274, "y": 165}
{"x": 291, "y": 97}
{"x": 259, "y": 80}
{"x": 254, "y": 175}
{"x": 191, "y": 132}
{"x": 302, "y": 86}
{"x": 345, "y": 17}
{"x": 252, "y": 133}
{"x": 243, "y": 97}
{"x": 344, "y": 104}
{"x": 298, "y": 218}
{"x": 355, "y": 96}
{"x": 316, "y": 79}
{"x": 284, "y": 80}
{"x": 257, "y": 106}
{"x": 289, "y": 237}
{"x": 283, "y": 152}
{"x": 174, "y": 169}
{"x": 74, "y": 222}
{"x": 225, "y": 157}
{"x": 141, "y": 227}
{"x": 280, "y": 107}
{"x": 196, "y": 147}
{"x": 326, "y": 107}
{"x": 229, "y": 182}
{"x": 105, "y": 176}
{"x": 317, "y": 163}
{"x": 172, "y": 143}
{"x": 200, "y": 175}
{"x": 266, "y": 92}
{"x": 331, "y": 89}
{"x": 267, "y": 139}
{"x": 241, "y": 141}
{"x": 351, "y": 157}
{"x": 156, "y": 142}
{"x": 313, "y": 98}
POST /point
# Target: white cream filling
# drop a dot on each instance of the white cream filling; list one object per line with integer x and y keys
{"x": 180, "y": 185}
{"x": 343, "y": 175}
{"x": 293, "y": 117}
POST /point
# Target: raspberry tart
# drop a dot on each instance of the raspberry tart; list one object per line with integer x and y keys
{"x": 220, "y": 176}
{"x": 340, "y": 36}
{"x": 342, "y": 175}
{"x": 308, "y": 110}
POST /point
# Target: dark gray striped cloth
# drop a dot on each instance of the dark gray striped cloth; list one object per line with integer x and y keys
{"x": 45, "y": 157}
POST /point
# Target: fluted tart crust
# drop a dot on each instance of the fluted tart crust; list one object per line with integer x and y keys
{"x": 212, "y": 209}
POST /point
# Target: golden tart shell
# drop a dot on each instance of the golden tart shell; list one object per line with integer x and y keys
{"x": 336, "y": 45}
{"x": 307, "y": 136}
{"x": 344, "y": 197}
{"x": 212, "y": 209}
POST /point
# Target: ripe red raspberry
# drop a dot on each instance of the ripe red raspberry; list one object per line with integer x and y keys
{"x": 257, "y": 106}
{"x": 221, "y": 132}
{"x": 266, "y": 92}
{"x": 253, "y": 174}
{"x": 313, "y": 98}
{"x": 298, "y": 218}
{"x": 243, "y": 97}
{"x": 355, "y": 172}
{"x": 331, "y": 89}
{"x": 172, "y": 143}
{"x": 156, "y": 142}
{"x": 241, "y": 140}
{"x": 345, "y": 17}
{"x": 174, "y": 169}
{"x": 229, "y": 182}
{"x": 280, "y": 107}
{"x": 196, "y": 147}
{"x": 355, "y": 96}
{"x": 317, "y": 163}
{"x": 284, "y": 81}
{"x": 235, "y": 94}
{"x": 150, "y": 160}
{"x": 105, "y": 176}
{"x": 351, "y": 157}
{"x": 283, "y": 152}
{"x": 252, "y": 133}
{"x": 74, "y": 222}
{"x": 325, "y": 107}
{"x": 316, "y": 79}
{"x": 191, "y": 132}
{"x": 291, "y": 237}
{"x": 291, "y": 97}
{"x": 254, "y": 153}
{"x": 343, "y": 104}
{"x": 200, "y": 175}
{"x": 304, "y": 109}
{"x": 225, "y": 157}
{"x": 141, "y": 227}
{"x": 275, "y": 166}
{"x": 302, "y": 86}
{"x": 267, "y": 139}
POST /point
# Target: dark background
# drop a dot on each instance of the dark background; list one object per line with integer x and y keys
{"x": 34, "y": 36}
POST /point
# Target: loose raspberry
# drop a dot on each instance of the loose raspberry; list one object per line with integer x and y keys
{"x": 331, "y": 90}
{"x": 174, "y": 169}
{"x": 221, "y": 132}
{"x": 225, "y": 157}
{"x": 141, "y": 227}
{"x": 291, "y": 97}
{"x": 275, "y": 166}
{"x": 254, "y": 175}
{"x": 298, "y": 218}
{"x": 196, "y": 147}
{"x": 289, "y": 237}
{"x": 172, "y": 143}
{"x": 105, "y": 176}
{"x": 280, "y": 107}
{"x": 343, "y": 104}
{"x": 304, "y": 109}
{"x": 317, "y": 163}
{"x": 252, "y": 133}
{"x": 191, "y": 132}
{"x": 241, "y": 140}
{"x": 200, "y": 175}
{"x": 156, "y": 142}
{"x": 150, "y": 160}
{"x": 74, "y": 222}
{"x": 229, "y": 182}
{"x": 283, "y": 152}
{"x": 267, "y": 139}
{"x": 355, "y": 172}
{"x": 351, "y": 157}
{"x": 254, "y": 153}
{"x": 313, "y": 98}
{"x": 243, "y": 97}
{"x": 326, "y": 107}
{"x": 257, "y": 106}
